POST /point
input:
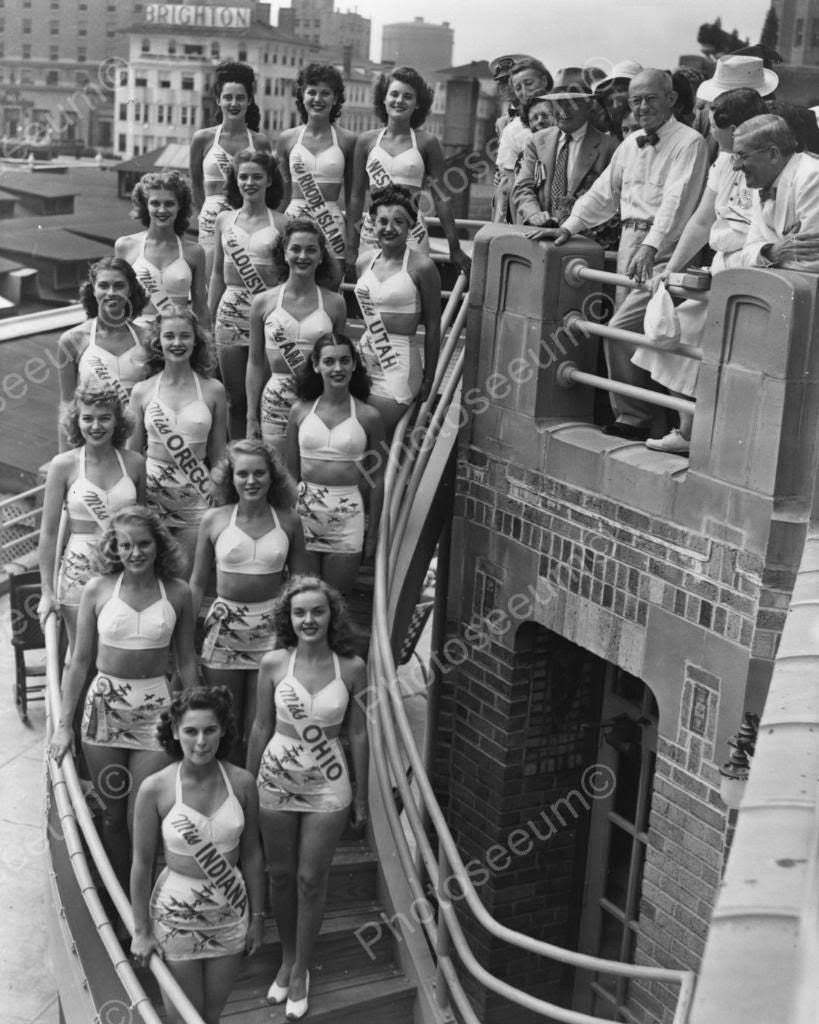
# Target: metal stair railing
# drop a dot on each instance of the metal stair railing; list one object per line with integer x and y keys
{"x": 393, "y": 741}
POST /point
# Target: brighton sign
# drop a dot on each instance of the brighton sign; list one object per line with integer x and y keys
{"x": 198, "y": 15}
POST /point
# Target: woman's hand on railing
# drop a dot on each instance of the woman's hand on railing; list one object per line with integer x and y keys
{"x": 47, "y": 604}
{"x": 143, "y": 946}
{"x": 460, "y": 259}
{"x": 359, "y": 813}
{"x": 61, "y": 742}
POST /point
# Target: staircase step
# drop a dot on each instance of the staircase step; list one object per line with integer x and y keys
{"x": 353, "y": 876}
{"x": 338, "y": 948}
{"x": 359, "y": 997}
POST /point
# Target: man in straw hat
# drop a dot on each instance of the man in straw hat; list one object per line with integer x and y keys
{"x": 562, "y": 162}
{"x": 654, "y": 181}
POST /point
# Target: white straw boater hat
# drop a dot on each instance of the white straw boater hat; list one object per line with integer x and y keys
{"x": 738, "y": 72}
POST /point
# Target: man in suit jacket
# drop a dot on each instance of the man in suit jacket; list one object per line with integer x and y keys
{"x": 784, "y": 229}
{"x": 562, "y": 162}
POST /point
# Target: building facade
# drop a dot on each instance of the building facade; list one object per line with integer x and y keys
{"x": 419, "y": 44}
{"x": 165, "y": 93}
{"x": 317, "y": 22}
{"x": 59, "y": 64}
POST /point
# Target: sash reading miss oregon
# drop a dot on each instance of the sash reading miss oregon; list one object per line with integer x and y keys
{"x": 180, "y": 451}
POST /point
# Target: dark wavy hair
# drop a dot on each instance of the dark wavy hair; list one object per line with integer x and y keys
{"x": 169, "y": 559}
{"x": 171, "y": 181}
{"x": 339, "y": 635}
{"x": 282, "y": 490}
{"x": 137, "y": 296}
{"x": 201, "y": 698}
{"x": 396, "y": 195}
{"x": 326, "y": 271}
{"x": 102, "y": 395}
{"x": 309, "y": 384}
{"x": 410, "y": 77}
{"x": 527, "y": 105}
{"x": 736, "y": 106}
{"x": 201, "y": 357}
{"x": 268, "y": 163}
{"x": 312, "y": 75}
{"x": 242, "y": 74}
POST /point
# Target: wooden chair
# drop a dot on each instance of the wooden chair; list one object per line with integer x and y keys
{"x": 27, "y": 636}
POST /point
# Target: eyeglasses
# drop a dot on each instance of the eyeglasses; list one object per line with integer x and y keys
{"x": 636, "y": 101}
{"x": 738, "y": 159}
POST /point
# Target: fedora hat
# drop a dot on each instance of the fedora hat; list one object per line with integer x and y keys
{"x": 501, "y": 66}
{"x": 622, "y": 69}
{"x": 738, "y": 72}
{"x": 570, "y": 84}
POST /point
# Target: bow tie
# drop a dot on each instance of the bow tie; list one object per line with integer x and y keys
{"x": 650, "y": 139}
{"x": 767, "y": 193}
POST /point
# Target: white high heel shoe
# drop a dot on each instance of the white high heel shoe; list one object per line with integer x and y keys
{"x": 297, "y": 1008}
{"x": 277, "y": 993}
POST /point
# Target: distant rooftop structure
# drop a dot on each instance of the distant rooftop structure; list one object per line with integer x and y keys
{"x": 418, "y": 43}
{"x": 317, "y": 22}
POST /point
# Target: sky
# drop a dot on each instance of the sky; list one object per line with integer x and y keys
{"x": 571, "y": 33}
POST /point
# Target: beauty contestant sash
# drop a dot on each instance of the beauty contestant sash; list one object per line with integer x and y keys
{"x": 222, "y": 158}
{"x": 288, "y": 348}
{"x": 251, "y": 278}
{"x": 96, "y": 508}
{"x": 312, "y": 735}
{"x": 100, "y": 370}
{"x": 162, "y": 302}
{"x": 382, "y": 344}
{"x": 317, "y": 206}
{"x": 181, "y": 453}
{"x": 218, "y": 869}
{"x": 380, "y": 178}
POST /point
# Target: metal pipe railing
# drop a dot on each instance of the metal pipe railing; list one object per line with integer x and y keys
{"x": 568, "y": 374}
{"x": 575, "y": 322}
{"x": 577, "y": 270}
{"x": 390, "y": 724}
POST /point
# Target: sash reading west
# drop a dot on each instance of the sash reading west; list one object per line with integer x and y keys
{"x": 290, "y": 351}
{"x": 382, "y": 345}
{"x": 251, "y": 278}
{"x": 317, "y": 206}
{"x": 220, "y": 872}
{"x": 180, "y": 451}
{"x": 312, "y": 735}
{"x": 380, "y": 178}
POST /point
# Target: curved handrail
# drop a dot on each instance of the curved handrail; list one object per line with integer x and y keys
{"x": 392, "y": 737}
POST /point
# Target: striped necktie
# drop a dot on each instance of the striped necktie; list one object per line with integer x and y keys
{"x": 560, "y": 179}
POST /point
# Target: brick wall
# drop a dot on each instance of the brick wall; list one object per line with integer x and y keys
{"x": 690, "y": 614}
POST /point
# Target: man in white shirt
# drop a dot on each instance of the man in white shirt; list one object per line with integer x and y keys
{"x": 784, "y": 228}
{"x": 654, "y": 181}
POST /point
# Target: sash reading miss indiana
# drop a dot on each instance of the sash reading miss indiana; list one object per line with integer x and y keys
{"x": 220, "y": 872}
